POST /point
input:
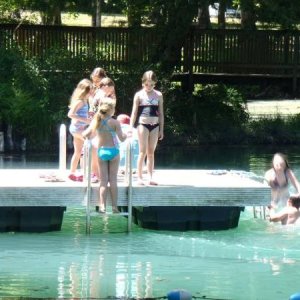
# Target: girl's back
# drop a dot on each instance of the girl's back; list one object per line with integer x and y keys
{"x": 107, "y": 133}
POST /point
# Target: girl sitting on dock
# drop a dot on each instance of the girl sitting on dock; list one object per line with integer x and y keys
{"x": 278, "y": 178}
{"x": 108, "y": 129}
{"x": 78, "y": 113}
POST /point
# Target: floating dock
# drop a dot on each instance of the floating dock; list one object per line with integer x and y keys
{"x": 182, "y": 200}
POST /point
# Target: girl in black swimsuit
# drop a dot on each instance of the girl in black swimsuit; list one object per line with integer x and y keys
{"x": 147, "y": 112}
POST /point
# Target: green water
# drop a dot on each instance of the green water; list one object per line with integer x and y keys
{"x": 257, "y": 260}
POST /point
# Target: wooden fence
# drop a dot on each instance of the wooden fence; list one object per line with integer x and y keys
{"x": 206, "y": 53}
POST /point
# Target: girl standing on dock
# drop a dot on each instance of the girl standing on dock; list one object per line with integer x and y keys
{"x": 96, "y": 76}
{"x": 278, "y": 178}
{"x": 108, "y": 129}
{"x": 78, "y": 113}
{"x": 147, "y": 111}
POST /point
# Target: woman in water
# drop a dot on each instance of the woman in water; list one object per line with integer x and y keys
{"x": 278, "y": 178}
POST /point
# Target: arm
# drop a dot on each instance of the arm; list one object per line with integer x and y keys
{"x": 72, "y": 112}
{"x": 121, "y": 135}
{"x": 161, "y": 117}
{"x": 280, "y": 216}
{"x": 294, "y": 180}
{"x": 89, "y": 132}
{"x": 270, "y": 177}
{"x": 135, "y": 107}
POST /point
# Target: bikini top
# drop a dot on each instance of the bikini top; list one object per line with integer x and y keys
{"x": 106, "y": 128}
{"x": 83, "y": 113}
{"x": 149, "y": 104}
{"x": 275, "y": 184}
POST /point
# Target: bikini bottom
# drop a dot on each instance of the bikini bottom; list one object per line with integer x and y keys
{"x": 150, "y": 127}
{"x": 106, "y": 153}
{"x": 77, "y": 128}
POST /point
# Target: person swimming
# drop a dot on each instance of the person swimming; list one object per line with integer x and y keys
{"x": 278, "y": 178}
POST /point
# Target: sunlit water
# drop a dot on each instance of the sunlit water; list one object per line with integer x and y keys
{"x": 257, "y": 260}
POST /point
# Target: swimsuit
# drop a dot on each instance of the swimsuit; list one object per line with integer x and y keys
{"x": 149, "y": 105}
{"x": 150, "y": 127}
{"x": 79, "y": 126}
{"x": 275, "y": 184}
{"x": 149, "y": 108}
{"x": 108, "y": 153}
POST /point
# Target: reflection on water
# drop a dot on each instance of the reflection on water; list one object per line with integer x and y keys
{"x": 257, "y": 260}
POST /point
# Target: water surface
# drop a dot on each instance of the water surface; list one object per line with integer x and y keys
{"x": 257, "y": 260}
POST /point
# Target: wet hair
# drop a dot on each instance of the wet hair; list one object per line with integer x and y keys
{"x": 295, "y": 200}
{"x": 99, "y": 72}
{"x": 106, "y": 81}
{"x": 82, "y": 89}
{"x": 283, "y": 157}
{"x": 149, "y": 75}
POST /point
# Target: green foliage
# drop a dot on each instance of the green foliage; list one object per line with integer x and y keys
{"x": 274, "y": 131}
{"x": 215, "y": 114}
{"x": 23, "y": 97}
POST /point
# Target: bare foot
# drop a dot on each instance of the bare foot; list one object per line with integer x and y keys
{"x": 115, "y": 210}
{"x": 140, "y": 182}
{"x": 151, "y": 182}
{"x": 102, "y": 209}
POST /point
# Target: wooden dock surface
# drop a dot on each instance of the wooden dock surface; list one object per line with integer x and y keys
{"x": 28, "y": 187}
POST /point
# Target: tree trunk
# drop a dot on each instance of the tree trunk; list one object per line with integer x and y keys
{"x": 52, "y": 16}
{"x": 134, "y": 14}
{"x": 204, "y": 17}
{"x": 221, "y": 14}
{"x": 247, "y": 14}
{"x": 96, "y": 17}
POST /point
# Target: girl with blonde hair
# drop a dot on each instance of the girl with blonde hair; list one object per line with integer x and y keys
{"x": 107, "y": 129}
{"x": 105, "y": 88}
{"x": 78, "y": 113}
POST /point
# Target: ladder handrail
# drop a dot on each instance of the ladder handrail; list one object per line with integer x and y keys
{"x": 128, "y": 179}
{"x": 87, "y": 176}
{"x": 87, "y": 166}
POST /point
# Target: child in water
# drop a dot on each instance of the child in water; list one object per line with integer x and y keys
{"x": 108, "y": 129}
{"x": 289, "y": 214}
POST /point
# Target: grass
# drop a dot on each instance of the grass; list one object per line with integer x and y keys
{"x": 71, "y": 19}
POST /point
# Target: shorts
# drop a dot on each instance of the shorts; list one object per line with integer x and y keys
{"x": 106, "y": 153}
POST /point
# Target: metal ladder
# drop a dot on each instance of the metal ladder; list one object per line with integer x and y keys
{"x": 128, "y": 181}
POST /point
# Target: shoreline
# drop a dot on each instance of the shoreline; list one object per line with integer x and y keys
{"x": 262, "y": 108}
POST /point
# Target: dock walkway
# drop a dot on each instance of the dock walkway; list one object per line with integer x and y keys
{"x": 26, "y": 187}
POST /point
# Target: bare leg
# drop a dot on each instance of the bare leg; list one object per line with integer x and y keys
{"x": 143, "y": 135}
{"x": 152, "y": 143}
{"x": 103, "y": 184}
{"x": 112, "y": 178}
{"x": 78, "y": 144}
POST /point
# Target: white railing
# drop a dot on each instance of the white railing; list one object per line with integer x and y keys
{"x": 62, "y": 148}
{"x": 87, "y": 166}
{"x": 128, "y": 180}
